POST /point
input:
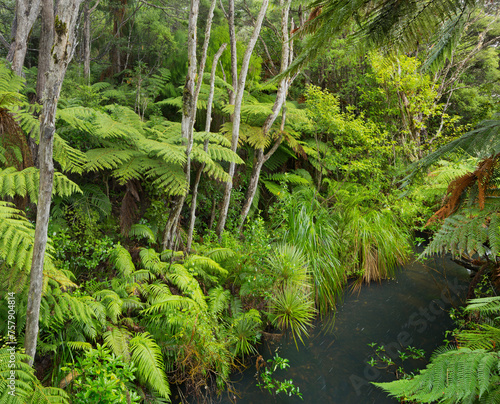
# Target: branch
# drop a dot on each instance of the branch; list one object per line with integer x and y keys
{"x": 274, "y": 148}
{"x": 4, "y": 42}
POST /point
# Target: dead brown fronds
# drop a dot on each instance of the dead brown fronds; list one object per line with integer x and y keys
{"x": 457, "y": 188}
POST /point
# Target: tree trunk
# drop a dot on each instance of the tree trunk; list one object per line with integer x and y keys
{"x": 234, "y": 54}
{"x": 187, "y": 123}
{"x": 61, "y": 54}
{"x": 86, "y": 41}
{"x": 280, "y": 100}
{"x": 189, "y": 102}
{"x": 26, "y": 14}
{"x": 44, "y": 55}
{"x": 237, "y": 115}
{"x": 205, "y": 146}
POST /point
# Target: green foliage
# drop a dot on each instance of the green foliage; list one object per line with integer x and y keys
{"x": 344, "y": 144}
{"x": 146, "y": 353}
{"x": 19, "y": 385}
{"x": 292, "y": 308}
{"x": 456, "y": 376}
{"x": 272, "y": 385}
{"x": 465, "y": 374}
{"x": 100, "y": 376}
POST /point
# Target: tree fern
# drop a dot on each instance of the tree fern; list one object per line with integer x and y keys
{"x": 470, "y": 230}
{"x": 25, "y": 183}
{"x": 455, "y": 376}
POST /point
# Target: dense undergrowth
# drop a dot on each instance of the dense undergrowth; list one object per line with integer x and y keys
{"x": 126, "y": 320}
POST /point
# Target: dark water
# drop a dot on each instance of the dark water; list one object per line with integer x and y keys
{"x": 332, "y": 365}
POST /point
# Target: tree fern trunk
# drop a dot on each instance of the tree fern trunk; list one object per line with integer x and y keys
{"x": 237, "y": 116}
{"x": 61, "y": 53}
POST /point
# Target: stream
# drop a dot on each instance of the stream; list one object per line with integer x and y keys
{"x": 331, "y": 366}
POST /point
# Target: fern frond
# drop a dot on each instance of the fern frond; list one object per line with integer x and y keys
{"x": 186, "y": 282}
{"x": 219, "y": 254}
{"x": 112, "y": 301}
{"x": 218, "y": 300}
{"x": 480, "y": 143}
{"x": 484, "y": 305}
{"x": 142, "y": 231}
{"x": 197, "y": 261}
{"x": 458, "y": 375}
{"x": 107, "y": 158}
{"x": 170, "y": 178}
{"x": 25, "y": 183}
{"x": 212, "y": 137}
{"x": 146, "y": 355}
{"x": 117, "y": 340}
{"x": 70, "y": 159}
{"x": 121, "y": 259}
{"x": 78, "y": 345}
{"x": 150, "y": 260}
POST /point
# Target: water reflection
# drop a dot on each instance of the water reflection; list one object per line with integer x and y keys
{"x": 331, "y": 367}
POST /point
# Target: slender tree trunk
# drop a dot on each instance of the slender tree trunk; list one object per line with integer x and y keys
{"x": 234, "y": 54}
{"x": 26, "y": 14}
{"x": 205, "y": 146}
{"x": 261, "y": 158}
{"x": 44, "y": 55}
{"x": 86, "y": 40}
{"x": 188, "y": 112}
{"x": 190, "y": 100}
{"x": 237, "y": 115}
{"x": 62, "y": 52}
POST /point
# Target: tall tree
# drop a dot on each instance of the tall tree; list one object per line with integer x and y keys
{"x": 205, "y": 146}
{"x": 260, "y": 156}
{"x": 26, "y": 13}
{"x": 189, "y": 103}
{"x": 237, "y": 110}
{"x": 66, "y": 14}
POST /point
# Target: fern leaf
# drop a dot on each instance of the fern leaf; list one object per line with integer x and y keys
{"x": 142, "y": 231}
{"x": 121, "y": 259}
{"x": 117, "y": 340}
{"x": 146, "y": 354}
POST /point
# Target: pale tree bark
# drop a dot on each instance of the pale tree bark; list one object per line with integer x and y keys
{"x": 61, "y": 54}
{"x": 87, "y": 12}
{"x": 189, "y": 103}
{"x": 260, "y": 157}
{"x": 44, "y": 56}
{"x": 26, "y": 14}
{"x": 205, "y": 147}
{"x": 234, "y": 55}
{"x": 237, "y": 115}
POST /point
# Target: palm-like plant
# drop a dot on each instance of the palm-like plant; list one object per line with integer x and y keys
{"x": 292, "y": 308}
{"x": 311, "y": 229}
{"x": 289, "y": 265}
